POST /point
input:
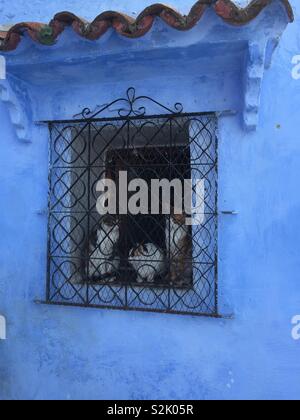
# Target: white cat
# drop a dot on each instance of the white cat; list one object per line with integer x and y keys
{"x": 103, "y": 259}
{"x": 148, "y": 262}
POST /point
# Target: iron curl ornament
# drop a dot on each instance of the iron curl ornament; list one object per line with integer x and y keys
{"x": 130, "y": 106}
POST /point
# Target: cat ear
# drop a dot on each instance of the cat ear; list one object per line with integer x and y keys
{"x": 133, "y": 252}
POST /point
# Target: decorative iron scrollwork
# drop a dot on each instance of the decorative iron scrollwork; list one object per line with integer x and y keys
{"x": 130, "y": 107}
{"x": 147, "y": 262}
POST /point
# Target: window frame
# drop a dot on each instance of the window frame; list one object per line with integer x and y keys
{"x": 134, "y": 114}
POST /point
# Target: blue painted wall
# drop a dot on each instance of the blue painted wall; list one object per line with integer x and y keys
{"x": 66, "y": 353}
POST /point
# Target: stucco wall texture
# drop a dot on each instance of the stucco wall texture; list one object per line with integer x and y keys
{"x": 73, "y": 353}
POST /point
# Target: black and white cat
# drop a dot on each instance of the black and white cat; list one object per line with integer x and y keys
{"x": 148, "y": 262}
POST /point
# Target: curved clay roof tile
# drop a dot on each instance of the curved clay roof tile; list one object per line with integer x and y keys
{"x": 127, "y": 26}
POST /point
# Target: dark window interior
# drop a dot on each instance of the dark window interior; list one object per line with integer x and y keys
{"x": 148, "y": 163}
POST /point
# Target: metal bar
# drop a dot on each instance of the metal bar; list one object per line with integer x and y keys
{"x": 134, "y": 309}
{"x": 48, "y": 281}
{"x": 135, "y": 118}
{"x": 216, "y": 222}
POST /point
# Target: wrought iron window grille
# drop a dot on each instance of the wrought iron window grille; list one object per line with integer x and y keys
{"x": 131, "y": 262}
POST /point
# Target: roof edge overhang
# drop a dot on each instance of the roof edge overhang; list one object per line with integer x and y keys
{"x": 127, "y": 26}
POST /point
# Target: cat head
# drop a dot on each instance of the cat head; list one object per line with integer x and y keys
{"x": 108, "y": 229}
{"x": 109, "y": 220}
{"x": 138, "y": 251}
{"x": 148, "y": 250}
{"x": 178, "y": 219}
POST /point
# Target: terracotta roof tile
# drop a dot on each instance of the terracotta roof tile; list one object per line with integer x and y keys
{"x": 129, "y": 27}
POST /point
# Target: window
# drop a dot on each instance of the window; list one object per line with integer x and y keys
{"x": 134, "y": 260}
